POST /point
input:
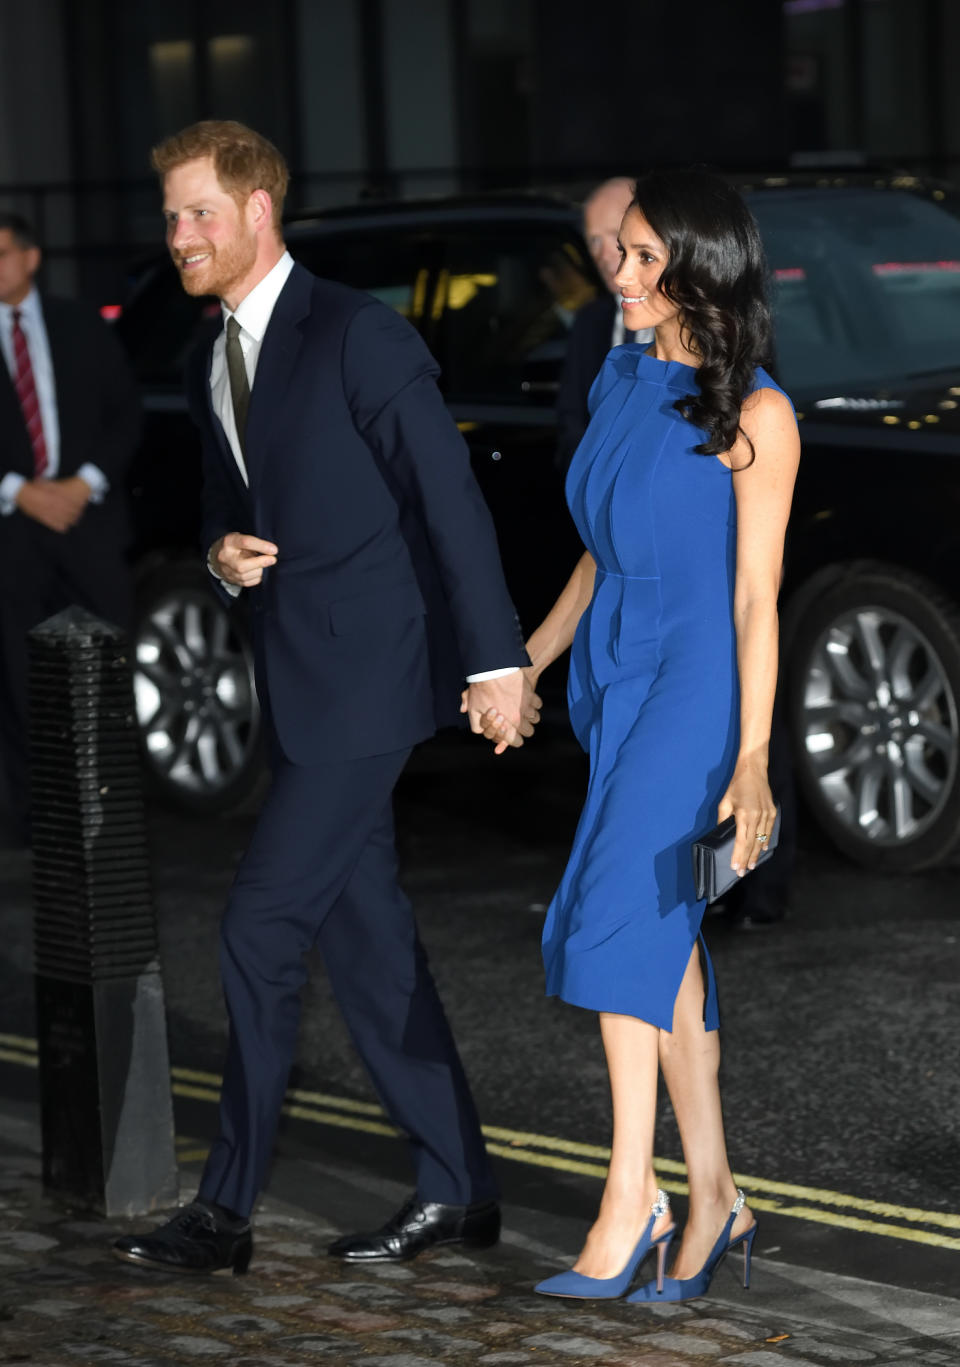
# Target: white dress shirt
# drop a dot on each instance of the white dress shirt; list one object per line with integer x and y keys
{"x": 41, "y": 362}
{"x": 253, "y": 313}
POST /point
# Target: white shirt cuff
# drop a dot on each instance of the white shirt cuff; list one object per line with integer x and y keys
{"x": 234, "y": 590}
{"x": 10, "y": 486}
{"x": 97, "y": 480}
{"x": 493, "y": 674}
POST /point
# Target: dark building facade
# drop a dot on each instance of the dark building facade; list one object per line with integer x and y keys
{"x": 405, "y": 97}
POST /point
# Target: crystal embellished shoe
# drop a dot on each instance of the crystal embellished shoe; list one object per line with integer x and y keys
{"x": 610, "y": 1288}
{"x": 689, "y": 1288}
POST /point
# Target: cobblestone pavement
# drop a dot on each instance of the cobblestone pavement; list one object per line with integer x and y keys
{"x": 65, "y": 1302}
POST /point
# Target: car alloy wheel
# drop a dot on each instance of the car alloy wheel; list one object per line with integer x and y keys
{"x": 194, "y": 695}
{"x": 881, "y": 725}
{"x": 876, "y": 686}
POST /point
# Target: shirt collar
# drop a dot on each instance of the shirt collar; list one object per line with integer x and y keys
{"x": 28, "y": 308}
{"x": 254, "y": 310}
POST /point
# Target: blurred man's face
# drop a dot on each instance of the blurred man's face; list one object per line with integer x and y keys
{"x": 210, "y": 236}
{"x": 18, "y": 266}
{"x": 602, "y": 216}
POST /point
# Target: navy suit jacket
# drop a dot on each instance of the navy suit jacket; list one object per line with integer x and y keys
{"x": 388, "y": 587}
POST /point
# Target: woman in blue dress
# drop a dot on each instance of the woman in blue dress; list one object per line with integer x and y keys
{"x": 681, "y": 490}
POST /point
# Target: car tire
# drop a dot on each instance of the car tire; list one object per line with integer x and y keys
{"x": 196, "y": 706}
{"x": 873, "y": 695}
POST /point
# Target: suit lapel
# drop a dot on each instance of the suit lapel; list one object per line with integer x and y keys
{"x": 212, "y": 416}
{"x": 17, "y": 452}
{"x": 64, "y": 380}
{"x": 275, "y": 364}
{"x": 199, "y": 378}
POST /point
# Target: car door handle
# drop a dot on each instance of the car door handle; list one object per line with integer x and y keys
{"x": 539, "y": 386}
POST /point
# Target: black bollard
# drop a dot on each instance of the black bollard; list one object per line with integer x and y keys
{"x": 106, "y": 1106}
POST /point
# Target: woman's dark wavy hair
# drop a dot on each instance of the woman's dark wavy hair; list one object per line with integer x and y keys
{"x": 716, "y": 273}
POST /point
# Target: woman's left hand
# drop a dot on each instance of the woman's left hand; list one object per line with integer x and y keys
{"x": 749, "y": 800}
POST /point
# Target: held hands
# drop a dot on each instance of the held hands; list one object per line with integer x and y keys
{"x": 241, "y": 559}
{"x": 749, "y": 800}
{"x": 504, "y": 710}
{"x": 56, "y": 503}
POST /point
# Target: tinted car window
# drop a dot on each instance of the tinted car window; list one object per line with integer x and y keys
{"x": 504, "y": 305}
{"x": 924, "y": 301}
{"x": 161, "y": 323}
{"x": 392, "y": 266}
{"x": 867, "y": 285}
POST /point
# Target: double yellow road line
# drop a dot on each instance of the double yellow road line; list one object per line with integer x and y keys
{"x": 588, "y": 1160}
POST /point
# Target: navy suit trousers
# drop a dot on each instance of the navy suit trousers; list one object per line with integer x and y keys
{"x": 321, "y": 870}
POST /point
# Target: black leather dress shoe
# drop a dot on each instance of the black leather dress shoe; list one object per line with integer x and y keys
{"x": 419, "y": 1225}
{"x": 199, "y": 1238}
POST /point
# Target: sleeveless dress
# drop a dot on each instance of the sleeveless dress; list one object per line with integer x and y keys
{"x": 653, "y": 693}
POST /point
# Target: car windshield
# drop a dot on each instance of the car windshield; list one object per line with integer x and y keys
{"x": 867, "y": 286}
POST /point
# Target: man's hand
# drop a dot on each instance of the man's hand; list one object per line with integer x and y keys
{"x": 56, "y": 503}
{"x": 505, "y": 710}
{"x": 241, "y": 559}
{"x": 75, "y": 490}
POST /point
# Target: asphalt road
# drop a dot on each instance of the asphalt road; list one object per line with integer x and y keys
{"x": 841, "y": 1078}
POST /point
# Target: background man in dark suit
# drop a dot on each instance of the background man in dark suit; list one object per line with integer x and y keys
{"x": 599, "y": 325}
{"x": 69, "y": 424}
{"x": 338, "y": 495}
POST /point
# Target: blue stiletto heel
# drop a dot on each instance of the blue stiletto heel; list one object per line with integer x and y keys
{"x": 689, "y": 1288}
{"x": 747, "y": 1241}
{"x": 610, "y": 1288}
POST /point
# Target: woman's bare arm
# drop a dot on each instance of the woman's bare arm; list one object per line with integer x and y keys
{"x": 551, "y": 638}
{"x": 764, "y": 491}
{"x": 555, "y": 633}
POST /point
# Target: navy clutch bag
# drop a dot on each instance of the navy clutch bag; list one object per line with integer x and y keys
{"x": 712, "y": 874}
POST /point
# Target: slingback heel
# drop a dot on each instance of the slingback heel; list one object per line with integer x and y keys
{"x": 575, "y": 1284}
{"x": 689, "y": 1288}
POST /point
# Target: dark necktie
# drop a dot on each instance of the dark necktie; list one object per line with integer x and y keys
{"x": 239, "y": 384}
{"x": 26, "y": 388}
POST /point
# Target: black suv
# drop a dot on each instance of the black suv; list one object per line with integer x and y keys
{"x": 867, "y": 280}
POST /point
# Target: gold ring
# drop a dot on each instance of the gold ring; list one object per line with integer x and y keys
{"x": 763, "y": 837}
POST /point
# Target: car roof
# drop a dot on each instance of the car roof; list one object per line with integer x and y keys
{"x": 515, "y": 205}
{"x": 564, "y": 203}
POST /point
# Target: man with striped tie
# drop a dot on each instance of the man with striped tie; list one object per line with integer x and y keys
{"x": 69, "y": 424}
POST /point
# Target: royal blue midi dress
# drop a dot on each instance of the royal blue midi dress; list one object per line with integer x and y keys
{"x": 653, "y": 693}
